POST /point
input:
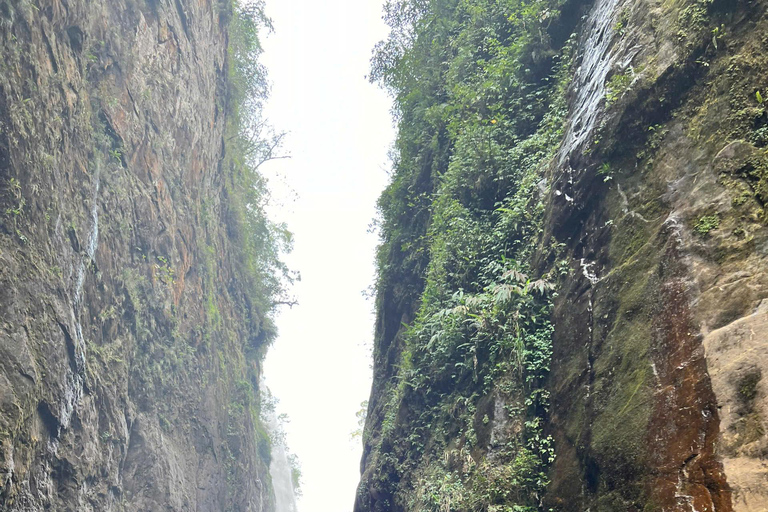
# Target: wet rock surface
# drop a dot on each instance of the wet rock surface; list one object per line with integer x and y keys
{"x": 663, "y": 426}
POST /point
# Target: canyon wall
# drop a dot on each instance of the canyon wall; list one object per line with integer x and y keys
{"x": 132, "y": 324}
{"x": 572, "y": 276}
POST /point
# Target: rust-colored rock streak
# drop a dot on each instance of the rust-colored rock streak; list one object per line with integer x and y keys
{"x": 684, "y": 424}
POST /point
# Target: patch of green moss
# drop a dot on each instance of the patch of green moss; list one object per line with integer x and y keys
{"x": 692, "y": 21}
{"x": 622, "y": 395}
{"x": 630, "y": 235}
{"x": 622, "y": 371}
{"x": 748, "y": 429}
{"x": 759, "y": 137}
{"x": 628, "y": 498}
{"x": 625, "y": 409}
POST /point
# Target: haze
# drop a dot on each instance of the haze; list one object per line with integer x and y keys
{"x": 340, "y": 132}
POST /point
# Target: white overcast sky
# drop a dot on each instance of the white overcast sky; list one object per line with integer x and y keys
{"x": 339, "y": 133}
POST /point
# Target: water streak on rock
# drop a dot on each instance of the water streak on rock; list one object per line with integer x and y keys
{"x": 589, "y": 81}
{"x": 75, "y": 379}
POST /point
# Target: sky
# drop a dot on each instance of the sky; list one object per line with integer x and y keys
{"x": 339, "y": 133}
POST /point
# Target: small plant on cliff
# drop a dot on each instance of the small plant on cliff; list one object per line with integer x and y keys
{"x": 605, "y": 171}
{"x": 718, "y": 33}
{"x": 617, "y": 86}
{"x": 14, "y": 188}
{"x": 621, "y": 26}
{"x": 707, "y": 223}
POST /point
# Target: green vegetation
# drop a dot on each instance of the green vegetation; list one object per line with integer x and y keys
{"x": 361, "y": 414}
{"x": 15, "y": 189}
{"x": 616, "y": 86}
{"x": 497, "y": 341}
{"x": 163, "y": 270}
{"x": 258, "y": 242}
{"x": 707, "y": 223}
{"x": 16, "y": 211}
{"x": 747, "y": 386}
{"x": 692, "y": 21}
{"x": 251, "y": 142}
{"x": 718, "y": 33}
{"x": 605, "y": 171}
{"x": 620, "y": 27}
{"x": 479, "y": 89}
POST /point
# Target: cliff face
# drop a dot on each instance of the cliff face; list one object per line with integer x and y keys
{"x": 624, "y": 168}
{"x": 660, "y": 390}
{"x": 130, "y": 340}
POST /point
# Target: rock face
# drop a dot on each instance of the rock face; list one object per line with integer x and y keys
{"x": 129, "y": 349}
{"x": 654, "y": 222}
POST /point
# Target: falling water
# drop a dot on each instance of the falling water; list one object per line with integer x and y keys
{"x": 280, "y": 471}
{"x": 93, "y": 237}
{"x": 591, "y": 275}
{"x": 589, "y": 81}
{"x": 75, "y": 380}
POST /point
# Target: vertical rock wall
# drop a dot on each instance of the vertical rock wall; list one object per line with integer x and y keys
{"x": 657, "y": 392}
{"x": 128, "y": 349}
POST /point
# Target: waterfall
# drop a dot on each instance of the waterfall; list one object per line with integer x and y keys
{"x": 280, "y": 468}
{"x": 599, "y": 57}
{"x": 75, "y": 379}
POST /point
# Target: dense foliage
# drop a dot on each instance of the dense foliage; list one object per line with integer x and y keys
{"x": 259, "y": 242}
{"x": 250, "y": 141}
{"x": 479, "y": 89}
